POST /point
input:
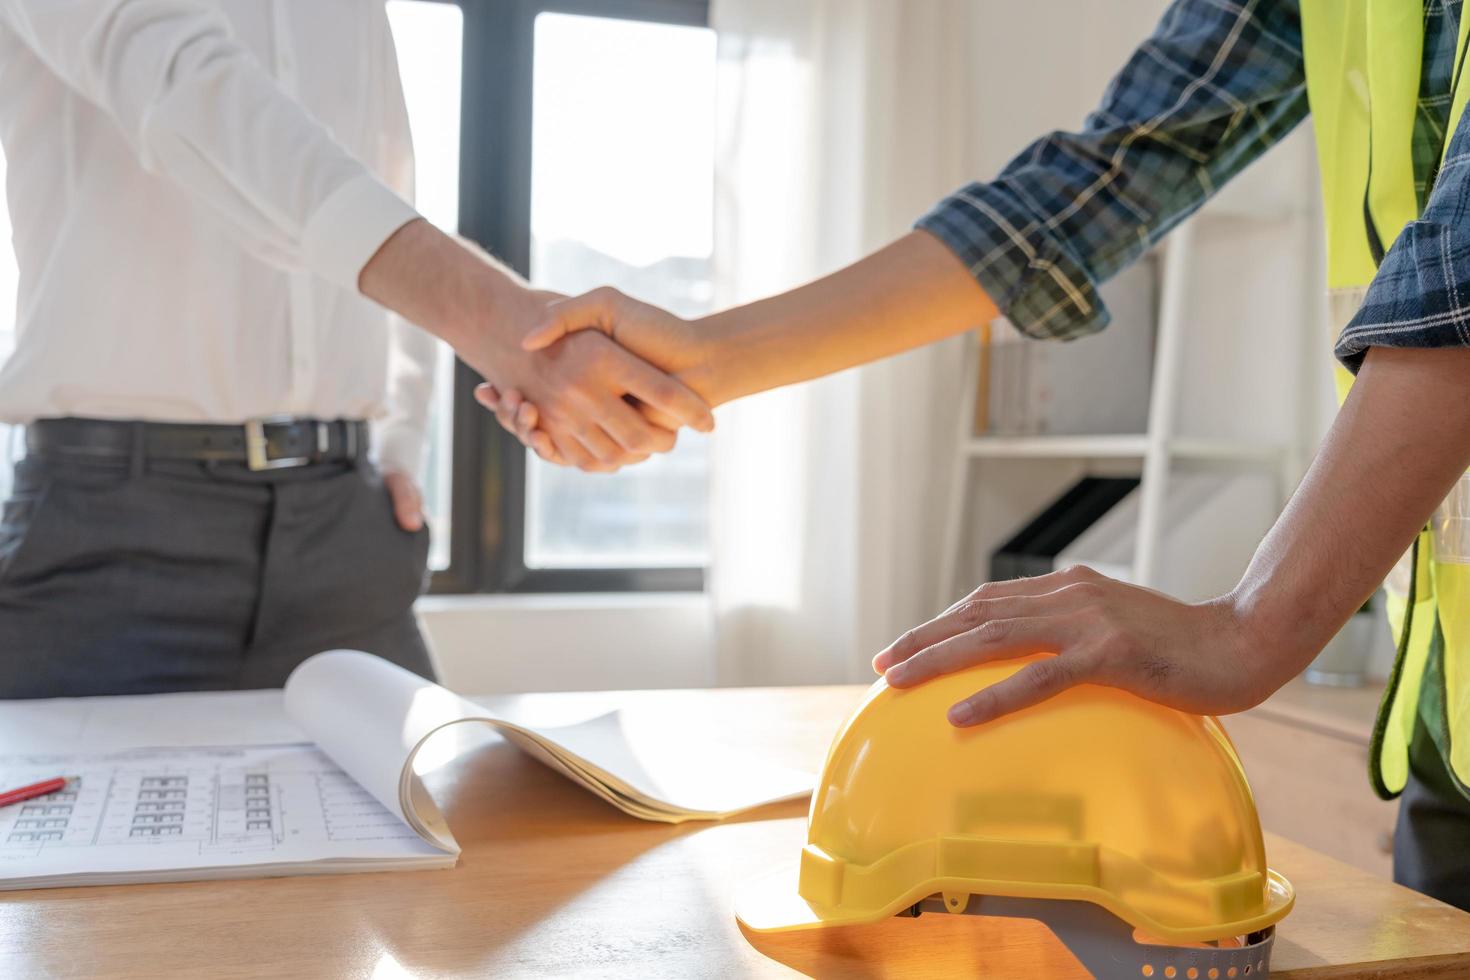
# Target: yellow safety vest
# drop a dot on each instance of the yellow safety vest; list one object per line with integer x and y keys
{"x": 1363, "y": 59}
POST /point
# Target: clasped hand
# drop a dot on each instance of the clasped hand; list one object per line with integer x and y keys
{"x": 583, "y": 390}
{"x": 560, "y": 426}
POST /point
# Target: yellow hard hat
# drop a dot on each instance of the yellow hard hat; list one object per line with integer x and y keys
{"x": 1095, "y": 795}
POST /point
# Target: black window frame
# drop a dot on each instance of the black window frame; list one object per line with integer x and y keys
{"x": 488, "y": 483}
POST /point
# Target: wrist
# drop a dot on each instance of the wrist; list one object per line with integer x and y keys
{"x": 722, "y": 362}
{"x": 1265, "y": 638}
{"x": 481, "y": 299}
{"x": 444, "y": 285}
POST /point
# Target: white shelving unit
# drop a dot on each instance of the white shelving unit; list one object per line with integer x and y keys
{"x": 1135, "y": 446}
{"x": 1166, "y": 443}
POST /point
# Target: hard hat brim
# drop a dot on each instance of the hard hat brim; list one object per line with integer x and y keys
{"x": 771, "y": 903}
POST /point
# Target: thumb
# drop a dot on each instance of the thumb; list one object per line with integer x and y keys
{"x": 596, "y": 310}
{"x": 408, "y": 503}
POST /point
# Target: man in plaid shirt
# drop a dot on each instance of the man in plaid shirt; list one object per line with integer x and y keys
{"x": 1216, "y": 85}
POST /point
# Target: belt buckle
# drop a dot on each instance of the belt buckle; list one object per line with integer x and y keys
{"x": 257, "y": 445}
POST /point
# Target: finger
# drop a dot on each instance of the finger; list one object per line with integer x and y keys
{"x": 542, "y": 446}
{"x": 570, "y": 452}
{"x": 967, "y": 614}
{"x": 487, "y": 396}
{"x": 591, "y": 311}
{"x": 507, "y": 422}
{"x": 633, "y": 432}
{"x": 996, "y": 639}
{"x": 664, "y": 394}
{"x": 408, "y": 505}
{"x": 1028, "y": 686}
{"x": 1037, "y": 584}
{"x": 655, "y": 417}
{"x": 506, "y": 416}
{"x": 606, "y": 454}
{"x": 527, "y": 417}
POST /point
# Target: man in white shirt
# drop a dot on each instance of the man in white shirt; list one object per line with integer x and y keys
{"x": 209, "y": 203}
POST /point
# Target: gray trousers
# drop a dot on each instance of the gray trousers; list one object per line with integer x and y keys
{"x": 121, "y": 577}
{"x": 1431, "y": 844}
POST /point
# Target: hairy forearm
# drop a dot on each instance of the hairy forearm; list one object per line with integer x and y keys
{"x": 906, "y": 295}
{"x": 448, "y": 287}
{"x": 1394, "y": 452}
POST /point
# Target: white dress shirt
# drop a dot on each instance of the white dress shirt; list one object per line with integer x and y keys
{"x": 194, "y": 186}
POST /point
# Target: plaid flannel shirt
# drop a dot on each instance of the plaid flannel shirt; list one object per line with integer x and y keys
{"x": 1215, "y": 86}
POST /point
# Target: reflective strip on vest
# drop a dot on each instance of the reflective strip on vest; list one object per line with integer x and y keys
{"x": 1363, "y": 62}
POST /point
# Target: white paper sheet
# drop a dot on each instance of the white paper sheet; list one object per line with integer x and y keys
{"x": 180, "y": 813}
{"x": 171, "y": 785}
{"x": 393, "y": 723}
{"x": 147, "y": 721}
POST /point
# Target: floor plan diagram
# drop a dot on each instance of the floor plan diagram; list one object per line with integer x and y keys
{"x": 158, "y": 809}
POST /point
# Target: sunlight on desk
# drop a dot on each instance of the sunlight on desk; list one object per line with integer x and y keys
{"x": 555, "y": 883}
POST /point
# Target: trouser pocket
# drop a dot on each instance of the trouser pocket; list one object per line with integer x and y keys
{"x": 20, "y": 518}
{"x": 336, "y": 560}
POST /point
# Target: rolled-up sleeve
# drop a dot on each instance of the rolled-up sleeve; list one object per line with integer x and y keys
{"x": 199, "y": 110}
{"x": 1421, "y": 294}
{"x": 1215, "y": 86}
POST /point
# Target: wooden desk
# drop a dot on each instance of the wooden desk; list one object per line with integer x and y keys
{"x": 1306, "y": 749}
{"x": 554, "y": 884}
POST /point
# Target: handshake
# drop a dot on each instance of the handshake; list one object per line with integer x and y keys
{"x": 597, "y": 382}
{"x": 604, "y": 381}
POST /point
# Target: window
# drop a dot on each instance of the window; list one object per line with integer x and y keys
{"x": 545, "y": 80}
{"x": 546, "y": 86}
{"x": 640, "y": 218}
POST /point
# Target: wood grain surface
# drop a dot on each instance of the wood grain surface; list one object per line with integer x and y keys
{"x": 553, "y": 883}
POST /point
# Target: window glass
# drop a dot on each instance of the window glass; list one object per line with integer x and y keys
{"x": 622, "y": 194}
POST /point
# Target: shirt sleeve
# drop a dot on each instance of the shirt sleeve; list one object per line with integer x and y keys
{"x": 1421, "y": 294}
{"x": 402, "y": 437}
{"x": 413, "y": 357}
{"x": 200, "y": 110}
{"x": 1215, "y": 86}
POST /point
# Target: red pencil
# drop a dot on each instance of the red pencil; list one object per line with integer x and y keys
{"x": 32, "y": 791}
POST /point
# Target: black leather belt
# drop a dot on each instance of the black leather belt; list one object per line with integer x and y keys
{"x": 270, "y": 443}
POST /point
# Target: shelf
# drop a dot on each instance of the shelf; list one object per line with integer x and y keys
{"x": 1060, "y": 447}
{"x": 1127, "y": 446}
{"x": 1226, "y": 450}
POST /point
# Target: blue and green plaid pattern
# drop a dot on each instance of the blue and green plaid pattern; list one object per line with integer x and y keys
{"x": 1216, "y": 85}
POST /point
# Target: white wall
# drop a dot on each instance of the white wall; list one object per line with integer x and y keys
{"x": 1042, "y": 66}
{"x": 517, "y": 644}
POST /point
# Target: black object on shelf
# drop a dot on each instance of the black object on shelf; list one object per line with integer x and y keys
{"x": 1034, "y": 549}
